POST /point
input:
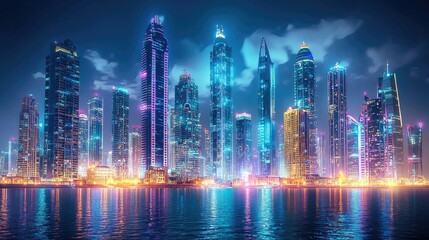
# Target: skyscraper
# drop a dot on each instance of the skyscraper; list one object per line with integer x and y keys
{"x": 415, "y": 152}
{"x": 296, "y": 141}
{"x": 208, "y": 153}
{"x": 95, "y": 131}
{"x": 266, "y": 112}
{"x": 154, "y": 106}
{"x": 322, "y": 156}
{"x": 281, "y": 151}
{"x": 186, "y": 128}
{"x": 135, "y": 154}
{"x": 353, "y": 147}
{"x": 305, "y": 97}
{"x": 221, "y": 126}
{"x": 28, "y": 140}
{"x": 243, "y": 155}
{"x": 61, "y": 134}
{"x": 388, "y": 93}
{"x": 120, "y": 122}
{"x": 83, "y": 144}
{"x": 337, "y": 112}
{"x": 3, "y": 163}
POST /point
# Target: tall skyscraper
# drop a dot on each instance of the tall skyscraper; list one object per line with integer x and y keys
{"x": 221, "y": 126}
{"x": 154, "y": 106}
{"x": 3, "y": 163}
{"x": 120, "y": 122}
{"x": 83, "y": 144}
{"x": 281, "y": 151}
{"x": 296, "y": 141}
{"x": 61, "y": 134}
{"x": 266, "y": 112}
{"x": 322, "y": 155}
{"x": 353, "y": 147}
{"x": 95, "y": 130}
{"x": 305, "y": 98}
{"x": 28, "y": 140}
{"x": 415, "y": 152}
{"x": 135, "y": 154}
{"x": 388, "y": 93}
{"x": 186, "y": 128}
{"x": 337, "y": 112}
{"x": 208, "y": 153}
{"x": 243, "y": 155}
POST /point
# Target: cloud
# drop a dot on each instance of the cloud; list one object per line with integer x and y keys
{"x": 37, "y": 75}
{"x": 101, "y": 64}
{"x": 280, "y": 43}
{"x": 396, "y": 54}
{"x": 102, "y": 85}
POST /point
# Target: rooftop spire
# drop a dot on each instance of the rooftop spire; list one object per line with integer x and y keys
{"x": 219, "y": 31}
{"x": 303, "y": 45}
{"x": 387, "y": 67}
{"x": 263, "y": 50}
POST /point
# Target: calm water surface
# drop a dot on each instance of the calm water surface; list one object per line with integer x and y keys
{"x": 214, "y": 213}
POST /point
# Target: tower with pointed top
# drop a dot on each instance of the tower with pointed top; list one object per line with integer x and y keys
{"x": 305, "y": 99}
{"x": 221, "y": 116}
{"x": 266, "y": 113}
{"x": 154, "y": 89}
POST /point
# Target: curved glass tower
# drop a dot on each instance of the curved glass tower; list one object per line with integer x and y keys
{"x": 221, "y": 122}
{"x": 95, "y": 131}
{"x": 266, "y": 113}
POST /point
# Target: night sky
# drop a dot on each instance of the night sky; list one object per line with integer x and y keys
{"x": 362, "y": 35}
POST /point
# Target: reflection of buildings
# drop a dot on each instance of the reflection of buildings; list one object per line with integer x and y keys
{"x": 353, "y": 147}
{"x": 120, "y": 121}
{"x": 415, "y": 153}
{"x": 243, "y": 156}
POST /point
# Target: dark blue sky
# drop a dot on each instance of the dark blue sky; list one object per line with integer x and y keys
{"x": 362, "y": 35}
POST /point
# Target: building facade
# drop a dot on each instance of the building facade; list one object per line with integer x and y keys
{"x": 95, "y": 131}
{"x": 120, "y": 129}
{"x": 221, "y": 125}
{"x": 243, "y": 154}
{"x": 83, "y": 144}
{"x": 135, "y": 167}
{"x": 61, "y": 129}
{"x": 354, "y": 130}
{"x": 415, "y": 151}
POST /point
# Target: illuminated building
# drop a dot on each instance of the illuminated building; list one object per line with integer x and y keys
{"x": 353, "y": 147}
{"x": 322, "y": 155}
{"x": 208, "y": 154}
{"x": 186, "y": 128}
{"x": 281, "y": 151}
{"x": 120, "y": 121}
{"x": 305, "y": 98}
{"x": 388, "y": 92}
{"x": 243, "y": 155}
{"x": 99, "y": 175}
{"x": 156, "y": 175}
{"x": 61, "y": 133}
{"x": 28, "y": 140}
{"x": 83, "y": 144}
{"x": 372, "y": 162}
{"x": 221, "y": 126}
{"x": 154, "y": 105}
{"x": 95, "y": 131}
{"x": 3, "y": 163}
{"x": 135, "y": 154}
{"x": 266, "y": 113}
{"x": 337, "y": 112}
{"x": 12, "y": 157}
{"x": 296, "y": 141}
{"x": 415, "y": 152}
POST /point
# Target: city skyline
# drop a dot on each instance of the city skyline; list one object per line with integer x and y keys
{"x": 319, "y": 72}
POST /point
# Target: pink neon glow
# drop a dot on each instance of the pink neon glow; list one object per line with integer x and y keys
{"x": 420, "y": 124}
{"x": 143, "y": 74}
{"x": 96, "y": 94}
{"x": 143, "y": 107}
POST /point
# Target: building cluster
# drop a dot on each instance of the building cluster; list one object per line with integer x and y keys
{"x": 171, "y": 143}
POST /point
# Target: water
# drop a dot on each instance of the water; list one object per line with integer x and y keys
{"x": 164, "y": 213}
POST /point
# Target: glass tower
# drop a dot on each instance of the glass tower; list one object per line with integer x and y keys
{"x": 266, "y": 113}
{"x": 154, "y": 105}
{"x": 305, "y": 98}
{"x": 28, "y": 140}
{"x": 337, "y": 112}
{"x": 186, "y": 128}
{"x": 353, "y": 147}
{"x": 120, "y": 121}
{"x": 221, "y": 126}
{"x": 243, "y": 155}
{"x": 61, "y": 133}
{"x": 281, "y": 151}
{"x": 135, "y": 154}
{"x": 95, "y": 131}
{"x": 415, "y": 152}
{"x": 83, "y": 144}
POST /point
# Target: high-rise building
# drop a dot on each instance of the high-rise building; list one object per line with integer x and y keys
{"x": 296, "y": 141}
{"x": 186, "y": 128}
{"x": 208, "y": 154}
{"x": 135, "y": 166}
{"x": 372, "y": 166}
{"x": 388, "y": 93}
{"x": 322, "y": 155}
{"x": 154, "y": 106}
{"x": 95, "y": 131}
{"x": 266, "y": 112}
{"x": 305, "y": 97}
{"x": 243, "y": 155}
{"x": 415, "y": 151}
{"x": 120, "y": 122}
{"x": 281, "y": 151}
{"x": 354, "y": 130}
{"x": 28, "y": 140}
{"x": 337, "y": 112}
{"x": 3, "y": 163}
{"x": 221, "y": 126}
{"x": 83, "y": 144}
{"x": 61, "y": 134}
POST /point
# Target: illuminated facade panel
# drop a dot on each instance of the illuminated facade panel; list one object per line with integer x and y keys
{"x": 243, "y": 154}
{"x": 95, "y": 131}
{"x": 415, "y": 151}
{"x": 353, "y": 147}
{"x": 120, "y": 124}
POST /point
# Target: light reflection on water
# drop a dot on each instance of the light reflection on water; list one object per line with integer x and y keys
{"x": 213, "y": 213}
